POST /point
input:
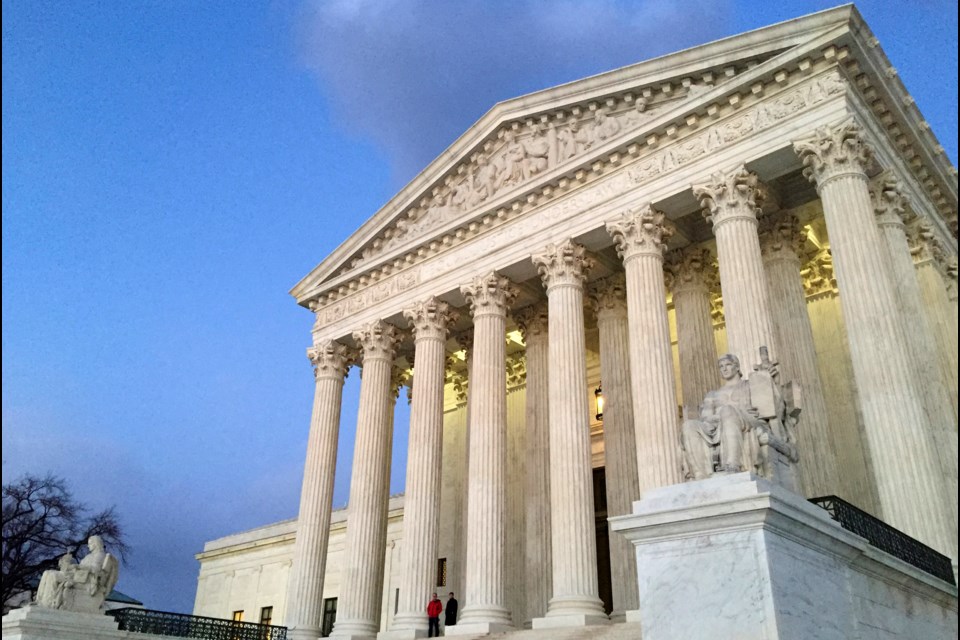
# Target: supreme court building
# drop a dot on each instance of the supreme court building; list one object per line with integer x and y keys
{"x": 613, "y": 236}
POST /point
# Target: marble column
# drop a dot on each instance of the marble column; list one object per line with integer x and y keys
{"x": 730, "y": 204}
{"x": 485, "y": 608}
{"x": 641, "y": 237}
{"x": 304, "y": 617}
{"x": 533, "y": 324}
{"x": 430, "y": 321}
{"x": 906, "y": 468}
{"x": 516, "y": 539}
{"x": 609, "y": 301}
{"x": 890, "y": 206}
{"x": 930, "y": 260}
{"x": 781, "y": 241}
{"x": 358, "y": 606}
{"x": 576, "y": 593}
{"x": 692, "y": 274}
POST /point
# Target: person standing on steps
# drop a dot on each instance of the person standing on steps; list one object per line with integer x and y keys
{"x": 434, "y": 609}
{"x": 450, "y": 615}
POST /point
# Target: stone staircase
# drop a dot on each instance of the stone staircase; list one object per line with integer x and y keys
{"x": 619, "y": 631}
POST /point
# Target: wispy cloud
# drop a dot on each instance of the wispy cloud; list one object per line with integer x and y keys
{"x": 412, "y": 75}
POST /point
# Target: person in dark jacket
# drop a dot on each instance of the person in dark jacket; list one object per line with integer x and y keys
{"x": 450, "y": 618}
{"x": 434, "y": 609}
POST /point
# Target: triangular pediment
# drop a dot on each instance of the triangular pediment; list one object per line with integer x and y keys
{"x": 555, "y": 134}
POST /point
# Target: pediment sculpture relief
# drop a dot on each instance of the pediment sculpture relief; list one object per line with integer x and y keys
{"x": 520, "y": 153}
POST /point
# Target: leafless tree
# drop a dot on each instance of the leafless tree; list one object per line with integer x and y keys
{"x": 41, "y": 522}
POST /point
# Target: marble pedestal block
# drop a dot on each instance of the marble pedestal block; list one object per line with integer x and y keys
{"x": 739, "y": 557}
{"x": 40, "y": 623}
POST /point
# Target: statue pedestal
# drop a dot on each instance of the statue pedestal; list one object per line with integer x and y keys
{"x": 739, "y": 557}
{"x": 40, "y": 623}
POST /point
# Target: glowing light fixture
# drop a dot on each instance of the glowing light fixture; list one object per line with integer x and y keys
{"x": 598, "y": 392}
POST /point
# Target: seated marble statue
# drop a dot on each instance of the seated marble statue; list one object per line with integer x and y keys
{"x": 745, "y": 425}
{"x": 80, "y": 587}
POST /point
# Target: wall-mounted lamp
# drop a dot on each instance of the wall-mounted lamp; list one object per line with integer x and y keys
{"x": 598, "y": 392}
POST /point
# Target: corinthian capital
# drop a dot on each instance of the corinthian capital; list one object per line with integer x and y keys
{"x": 564, "y": 264}
{"x": 378, "y": 340}
{"x": 925, "y": 246}
{"x": 489, "y": 295}
{"x": 609, "y": 295}
{"x": 692, "y": 268}
{"x": 735, "y": 194}
{"x": 643, "y": 231}
{"x": 889, "y": 201}
{"x": 431, "y": 319}
{"x": 833, "y": 151}
{"x": 782, "y": 236}
{"x": 817, "y": 274}
{"x": 330, "y": 359}
{"x": 532, "y": 321}
{"x": 516, "y": 371}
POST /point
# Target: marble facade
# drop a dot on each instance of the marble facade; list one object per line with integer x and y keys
{"x": 636, "y": 224}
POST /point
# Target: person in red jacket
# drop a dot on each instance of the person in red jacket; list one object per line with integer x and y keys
{"x": 434, "y": 609}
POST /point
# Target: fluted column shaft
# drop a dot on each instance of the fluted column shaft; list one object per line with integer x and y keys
{"x": 358, "y": 606}
{"x": 691, "y": 274}
{"x": 729, "y": 202}
{"x": 889, "y": 206}
{"x": 641, "y": 238}
{"x": 782, "y": 243}
{"x": 897, "y": 429}
{"x": 421, "y": 506}
{"x": 485, "y": 608}
{"x": 576, "y": 592}
{"x": 619, "y": 440}
{"x": 305, "y": 605}
{"x": 533, "y": 325}
{"x": 927, "y": 253}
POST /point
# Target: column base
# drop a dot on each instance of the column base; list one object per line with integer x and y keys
{"x": 572, "y": 611}
{"x": 633, "y": 616}
{"x": 402, "y": 634}
{"x": 477, "y": 628}
{"x": 564, "y": 620}
{"x": 303, "y": 633}
{"x": 354, "y": 630}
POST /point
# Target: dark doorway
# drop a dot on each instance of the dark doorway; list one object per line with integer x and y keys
{"x": 604, "y": 580}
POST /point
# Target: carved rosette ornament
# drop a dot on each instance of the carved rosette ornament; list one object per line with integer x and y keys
{"x": 563, "y": 265}
{"x": 609, "y": 295}
{"x": 491, "y": 294}
{"x": 834, "y": 151}
{"x": 532, "y": 321}
{"x": 735, "y": 195}
{"x": 889, "y": 201}
{"x": 330, "y": 359}
{"x": 378, "y": 340}
{"x": 431, "y": 319}
{"x": 692, "y": 269}
{"x": 782, "y": 236}
{"x": 643, "y": 231}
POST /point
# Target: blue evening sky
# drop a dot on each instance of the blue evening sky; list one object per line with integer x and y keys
{"x": 172, "y": 168}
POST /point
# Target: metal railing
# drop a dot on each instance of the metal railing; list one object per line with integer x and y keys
{"x": 884, "y": 537}
{"x": 164, "y": 623}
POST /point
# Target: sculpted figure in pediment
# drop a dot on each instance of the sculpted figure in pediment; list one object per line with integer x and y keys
{"x": 567, "y": 140}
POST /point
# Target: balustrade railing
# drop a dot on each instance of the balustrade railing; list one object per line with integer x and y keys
{"x": 884, "y": 537}
{"x": 164, "y": 623}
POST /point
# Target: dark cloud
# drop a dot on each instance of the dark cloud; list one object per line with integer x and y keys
{"x": 413, "y": 75}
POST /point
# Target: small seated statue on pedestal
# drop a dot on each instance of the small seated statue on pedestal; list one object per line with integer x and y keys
{"x": 745, "y": 425}
{"x": 80, "y": 587}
